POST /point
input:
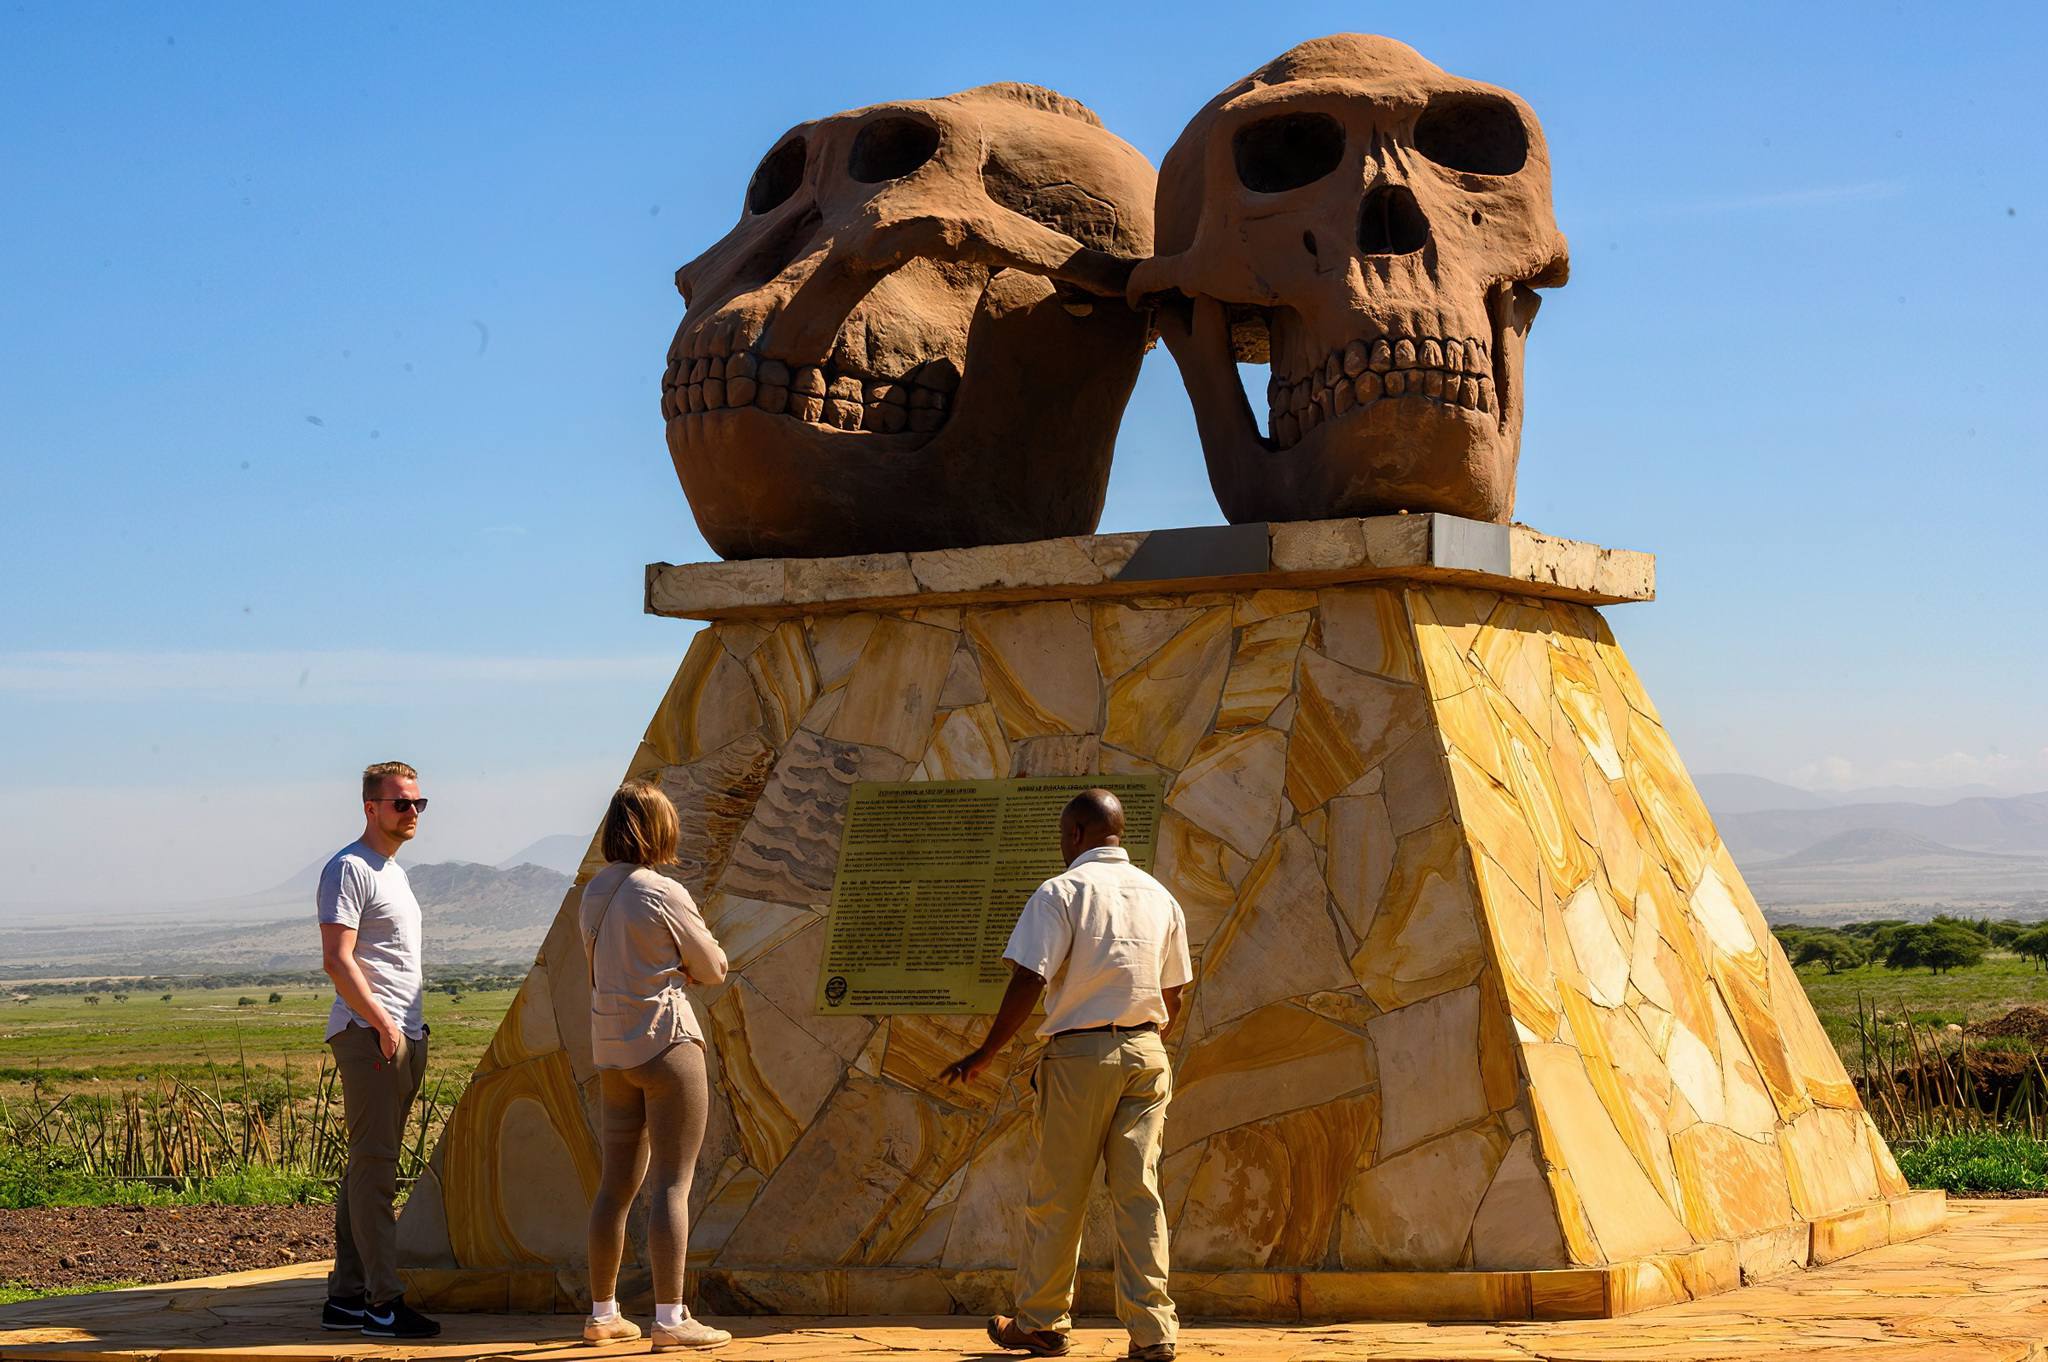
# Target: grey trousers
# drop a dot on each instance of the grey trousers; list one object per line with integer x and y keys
{"x": 376, "y": 1095}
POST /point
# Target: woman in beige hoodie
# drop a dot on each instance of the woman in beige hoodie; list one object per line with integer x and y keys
{"x": 645, "y": 939}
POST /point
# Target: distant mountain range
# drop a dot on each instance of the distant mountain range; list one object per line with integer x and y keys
{"x": 1812, "y": 855}
{"x": 474, "y": 914}
{"x": 562, "y": 852}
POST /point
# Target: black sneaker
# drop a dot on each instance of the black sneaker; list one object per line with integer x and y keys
{"x": 396, "y": 1319}
{"x": 343, "y": 1312}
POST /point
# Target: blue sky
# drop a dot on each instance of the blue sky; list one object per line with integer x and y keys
{"x": 334, "y": 337}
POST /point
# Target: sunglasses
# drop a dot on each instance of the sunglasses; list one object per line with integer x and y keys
{"x": 404, "y": 805}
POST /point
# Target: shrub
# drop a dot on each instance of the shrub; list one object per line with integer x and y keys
{"x": 245, "y": 1001}
{"x": 1978, "y": 1161}
{"x": 1939, "y": 946}
{"x": 277, "y": 997}
{"x": 1832, "y": 951}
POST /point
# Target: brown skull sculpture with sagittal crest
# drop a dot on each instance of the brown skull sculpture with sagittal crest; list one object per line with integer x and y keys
{"x": 916, "y": 337}
{"x": 1374, "y": 229}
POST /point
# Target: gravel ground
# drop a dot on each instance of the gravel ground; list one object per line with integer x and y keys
{"x": 61, "y": 1246}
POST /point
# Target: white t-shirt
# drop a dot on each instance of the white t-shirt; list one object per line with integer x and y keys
{"x": 1107, "y": 939}
{"x": 370, "y": 893}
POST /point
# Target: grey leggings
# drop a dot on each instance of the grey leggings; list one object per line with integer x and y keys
{"x": 653, "y": 1120}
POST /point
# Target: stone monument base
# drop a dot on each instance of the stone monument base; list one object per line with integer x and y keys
{"x": 1485, "y": 1024}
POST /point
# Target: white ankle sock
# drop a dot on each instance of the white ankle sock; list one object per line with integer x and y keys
{"x": 604, "y": 1310}
{"x": 669, "y": 1316}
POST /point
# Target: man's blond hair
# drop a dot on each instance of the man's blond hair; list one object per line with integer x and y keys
{"x": 640, "y": 826}
{"x": 374, "y": 777}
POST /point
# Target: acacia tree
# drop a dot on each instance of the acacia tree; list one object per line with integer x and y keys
{"x": 2033, "y": 945}
{"x": 1939, "y": 946}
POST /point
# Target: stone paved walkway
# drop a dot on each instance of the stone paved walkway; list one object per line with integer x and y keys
{"x": 1976, "y": 1291}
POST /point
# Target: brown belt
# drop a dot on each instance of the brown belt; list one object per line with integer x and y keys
{"x": 1112, "y": 1026}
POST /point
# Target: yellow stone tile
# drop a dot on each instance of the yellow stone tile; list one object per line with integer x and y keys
{"x": 1513, "y": 651}
{"x": 733, "y": 1191}
{"x": 1414, "y": 1211}
{"x": 1568, "y": 1293}
{"x": 785, "y": 678}
{"x": 1367, "y": 627}
{"x": 1516, "y": 1224}
{"x": 1852, "y": 1230}
{"x": 1425, "y": 938}
{"x": 920, "y": 1047}
{"x": 1671, "y": 808}
{"x": 1914, "y": 1214}
{"x": 1347, "y": 722}
{"x": 1749, "y": 1006}
{"x": 1732, "y": 1187}
{"x": 1815, "y": 1061}
{"x": 1266, "y": 1194}
{"x": 1521, "y": 948}
{"x": 1499, "y": 1074}
{"x": 1250, "y": 607}
{"x": 1622, "y": 1205}
{"x": 1358, "y": 856}
{"x": 1617, "y": 832}
{"x": 776, "y": 1073}
{"x": 1631, "y": 1087}
{"x": 1645, "y": 1284}
{"x": 1430, "y": 1079}
{"x": 517, "y": 1145}
{"x": 1827, "y": 1166}
{"x": 855, "y": 1186}
{"x": 966, "y": 744}
{"x": 1261, "y": 670}
{"x": 836, "y": 642}
{"x": 1414, "y": 1296}
{"x": 1279, "y": 943}
{"x": 1038, "y": 662}
{"x": 1232, "y": 787}
{"x": 1494, "y": 824}
{"x": 893, "y": 690}
{"x": 710, "y": 703}
{"x": 1526, "y": 758}
{"x": 1163, "y": 706}
{"x": 1196, "y": 867}
{"x": 1277, "y": 1059}
{"x": 1126, "y": 635}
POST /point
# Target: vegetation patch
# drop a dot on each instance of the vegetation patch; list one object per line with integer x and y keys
{"x": 1978, "y": 1161}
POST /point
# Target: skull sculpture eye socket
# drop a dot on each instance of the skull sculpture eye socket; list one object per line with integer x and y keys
{"x": 1473, "y": 133}
{"x": 890, "y": 148}
{"x": 1287, "y": 151}
{"x": 777, "y": 177}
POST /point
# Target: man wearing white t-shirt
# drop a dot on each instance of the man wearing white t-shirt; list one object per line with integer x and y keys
{"x": 370, "y": 948}
{"x": 1107, "y": 946}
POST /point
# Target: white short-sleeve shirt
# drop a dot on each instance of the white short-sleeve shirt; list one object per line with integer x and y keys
{"x": 361, "y": 889}
{"x": 1107, "y": 939}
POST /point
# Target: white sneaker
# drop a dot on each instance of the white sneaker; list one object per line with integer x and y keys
{"x": 610, "y": 1329}
{"x": 691, "y": 1333}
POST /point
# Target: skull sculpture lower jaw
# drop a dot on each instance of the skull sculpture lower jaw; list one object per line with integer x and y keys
{"x": 916, "y": 337}
{"x": 1373, "y": 229}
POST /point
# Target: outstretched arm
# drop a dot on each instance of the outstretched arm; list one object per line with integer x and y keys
{"x": 1018, "y": 1000}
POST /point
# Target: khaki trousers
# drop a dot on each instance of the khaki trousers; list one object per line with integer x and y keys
{"x": 376, "y": 1094}
{"x": 1101, "y": 1100}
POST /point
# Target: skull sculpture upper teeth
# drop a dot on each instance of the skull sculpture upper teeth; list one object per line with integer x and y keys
{"x": 916, "y": 337}
{"x": 1373, "y": 228}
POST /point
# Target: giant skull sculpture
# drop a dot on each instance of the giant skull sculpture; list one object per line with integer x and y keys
{"x": 916, "y": 337}
{"x": 1373, "y": 228}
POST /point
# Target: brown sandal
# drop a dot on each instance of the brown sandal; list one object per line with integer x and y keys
{"x": 1004, "y": 1332}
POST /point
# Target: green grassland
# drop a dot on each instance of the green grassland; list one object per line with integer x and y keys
{"x": 1956, "y": 997}
{"x": 61, "y": 1041}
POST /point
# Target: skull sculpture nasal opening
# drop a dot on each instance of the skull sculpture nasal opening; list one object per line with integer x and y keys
{"x": 1373, "y": 229}
{"x": 916, "y": 336}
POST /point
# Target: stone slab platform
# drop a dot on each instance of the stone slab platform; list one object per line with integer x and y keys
{"x": 1437, "y": 548}
{"x": 1976, "y": 1290}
